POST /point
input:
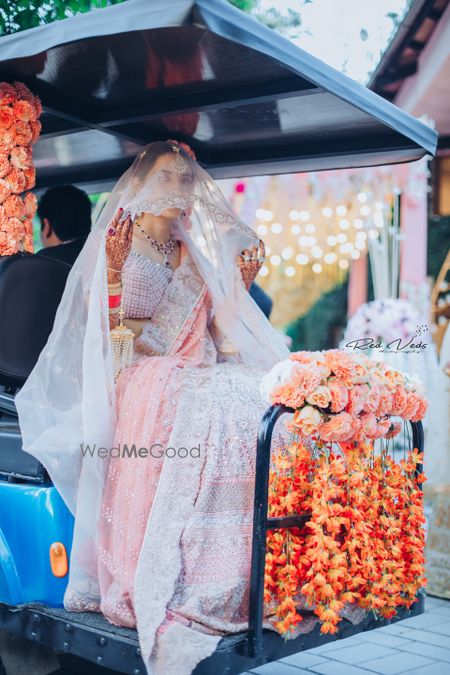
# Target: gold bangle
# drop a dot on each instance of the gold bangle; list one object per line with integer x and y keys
{"x": 118, "y": 284}
{"x": 111, "y": 269}
{"x": 114, "y": 310}
{"x": 115, "y": 291}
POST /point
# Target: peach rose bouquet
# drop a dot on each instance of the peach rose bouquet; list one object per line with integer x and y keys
{"x": 340, "y": 397}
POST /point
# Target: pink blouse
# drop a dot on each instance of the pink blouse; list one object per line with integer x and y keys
{"x": 144, "y": 283}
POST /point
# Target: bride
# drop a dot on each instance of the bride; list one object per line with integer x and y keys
{"x": 153, "y": 450}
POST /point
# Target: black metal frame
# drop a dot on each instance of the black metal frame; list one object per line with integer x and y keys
{"x": 262, "y": 523}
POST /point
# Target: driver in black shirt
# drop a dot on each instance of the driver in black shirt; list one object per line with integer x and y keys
{"x": 65, "y": 215}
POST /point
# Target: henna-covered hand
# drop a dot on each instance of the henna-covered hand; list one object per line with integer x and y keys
{"x": 250, "y": 268}
{"x": 118, "y": 244}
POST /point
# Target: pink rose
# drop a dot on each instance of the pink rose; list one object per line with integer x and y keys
{"x": 35, "y": 130}
{"x": 14, "y": 207}
{"x": 421, "y": 411}
{"x": 15, "y": 180}
{"x": 412, "y": 406}
{"x": 357, "y": 397}
{"x": 373, "y": 399}
{"x": 20, "y": 157}
{"x": 30, "y": 203}
{"x": 369, "y": 425}
{"x": 5, "y": 166}
{"x": 30, "y": 177}
{"x": 385, "y": 403}
{"x": 393, "y": 378}
{"x": 338, "y": 428}
{"x": 320, "y": 397}
{"x": 305, "y": 379}
{"x": 383, "y": 427}
{"x": 399, "y": 401}
{"x": 341, "y": 364}
{"x": 23, "y": 133}
{"x": 307, "y": 420}
{"x": 25, "y": 111}
{"x": 321, "y": 364}
{"x": 4, "y": 190}
{"x": 339, "y": 395}
{"x": 6, "y": 141}
{"x": 7, "y": 93}
{"x": 299, "y": 382}
{"x": 6, "y": 117}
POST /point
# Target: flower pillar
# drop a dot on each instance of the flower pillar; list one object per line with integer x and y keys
{"x": 19, "y": 129}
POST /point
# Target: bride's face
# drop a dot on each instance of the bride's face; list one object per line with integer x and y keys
{"x": 179, "y": 182}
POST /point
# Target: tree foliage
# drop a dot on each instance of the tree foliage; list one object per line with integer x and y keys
{"x": 17, "y": 15}
{"x": 287, "y": 22}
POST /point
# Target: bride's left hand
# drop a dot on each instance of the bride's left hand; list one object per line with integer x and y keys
{"x": 250, "y": 268}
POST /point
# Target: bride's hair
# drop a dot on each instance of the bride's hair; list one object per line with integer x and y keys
{"x": 160, "y": 148}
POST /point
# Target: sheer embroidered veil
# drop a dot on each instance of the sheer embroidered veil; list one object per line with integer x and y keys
{"x": 68, "y": 403}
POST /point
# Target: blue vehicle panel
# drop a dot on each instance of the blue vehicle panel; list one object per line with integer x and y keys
{"x": 32, "y": 518}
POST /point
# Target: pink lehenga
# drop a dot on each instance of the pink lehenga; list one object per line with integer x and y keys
{"x": 175, "y": 527}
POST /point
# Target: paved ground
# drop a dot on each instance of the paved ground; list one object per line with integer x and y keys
{"x": 417, "y": 646}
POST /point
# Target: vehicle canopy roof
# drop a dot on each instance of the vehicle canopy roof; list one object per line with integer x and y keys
{"x": 246, "y": 99}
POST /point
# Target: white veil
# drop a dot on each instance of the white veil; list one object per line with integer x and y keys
{"x": 68, "y": 400}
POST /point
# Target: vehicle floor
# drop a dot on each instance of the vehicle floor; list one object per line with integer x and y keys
{"x": 94, "y": 620}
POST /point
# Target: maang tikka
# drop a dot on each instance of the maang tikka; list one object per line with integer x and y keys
{"x": 179, "y": 163}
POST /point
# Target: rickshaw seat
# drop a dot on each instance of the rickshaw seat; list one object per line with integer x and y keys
{"x": 30, "y": 292}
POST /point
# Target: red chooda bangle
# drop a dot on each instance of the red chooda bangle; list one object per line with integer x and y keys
{"x": 114, "y": 301}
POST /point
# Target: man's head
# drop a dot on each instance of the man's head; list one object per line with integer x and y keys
{"x": 65, "y": 213}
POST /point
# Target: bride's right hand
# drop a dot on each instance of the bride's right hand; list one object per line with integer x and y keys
{"x": 118, "y": 243}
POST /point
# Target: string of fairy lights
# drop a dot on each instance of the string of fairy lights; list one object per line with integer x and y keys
{"x": 319, "y": 237}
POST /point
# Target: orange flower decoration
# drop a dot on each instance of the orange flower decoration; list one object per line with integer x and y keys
{"x": 363, "y": 542}
{"x": 20, "y": 127}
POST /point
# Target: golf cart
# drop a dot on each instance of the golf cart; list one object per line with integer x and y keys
{"x": 249, "y": 103}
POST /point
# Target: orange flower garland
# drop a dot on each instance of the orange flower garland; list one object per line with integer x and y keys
{"x": 363, "y": 542}
{"x": 19, "y": 129}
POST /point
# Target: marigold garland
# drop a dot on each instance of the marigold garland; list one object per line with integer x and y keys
{"x": 363, "y": 542}
{"x": 19, "y": 129}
